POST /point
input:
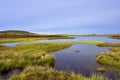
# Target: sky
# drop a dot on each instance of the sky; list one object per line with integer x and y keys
{"x": 61, "y": 16}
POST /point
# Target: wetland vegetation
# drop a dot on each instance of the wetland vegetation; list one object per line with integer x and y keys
{"x": 36, "y": 62}
{"x": 110, "y": 58}
{"x": 115, "y": 36}
{"x": 91, "y": 42}
{"x": 11, "y": 40}
{"x": 35, "y": 67}
{"x": 46, "y": 73}
{"x": 30, "y": 54}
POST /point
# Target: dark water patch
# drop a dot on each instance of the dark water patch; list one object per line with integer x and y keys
{"x": 84, "y": 62}
{"x": 7, "y": 74}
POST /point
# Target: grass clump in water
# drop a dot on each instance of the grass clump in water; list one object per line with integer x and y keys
{"x": 46, "y": 73}
{"x": 111, "y": 58}
{"x": 28, "y": 54}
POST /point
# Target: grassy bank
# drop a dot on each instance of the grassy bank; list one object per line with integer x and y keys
{"x": 28, "y": 54}
{"x": 115, "y": 36}
{"x": 10, "y": 40}
{"x": 46, "y": 73}
{"x": 111, "y": 58}
{"x": 90, "y": 42}
{"x": 109, "y": 45}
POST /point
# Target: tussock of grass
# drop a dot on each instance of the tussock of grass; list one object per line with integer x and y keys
{"x": 46, "y": 73}
{"x": 110, "y": 58}
{"x": 28, "y": 54}
{"x": 115, "y": 36}
{"x": 116, "y": 49}
{"x": 98, "y": 77}
{"x": 101, "y": 69}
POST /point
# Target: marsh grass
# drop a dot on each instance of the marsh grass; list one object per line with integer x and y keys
{"x": 36, "y": 62}
{"x": 111, "y": 58}
{"x": 101, "y": 69}
{"x": 47, "y": 73}
{"x": 10, "y": 40}
{"x": 28, "y": 54}
{"x": 90, "y": 42}
{"x": 116, "y": 49}
{"x": 109, "y": 45}
{"x": 115, "y": 36}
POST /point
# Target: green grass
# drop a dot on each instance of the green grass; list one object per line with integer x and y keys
{"x": 46, "y": 73}
{"x": 101, "y": 69}
{"x": 116, "y": 49}
{"x": 90, "y": 42}
{"x": 36, "y": 62}
{"x": 28, "y": 54}
{"x": 111, "y": 58}
{"x": 109, "y": 44}
{"x": 115, "y": 36}
{"x": 10, "y": 40}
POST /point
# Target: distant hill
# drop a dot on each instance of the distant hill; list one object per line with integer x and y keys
{"x": 17, "y": 32}
{"x": 26, "y": 34}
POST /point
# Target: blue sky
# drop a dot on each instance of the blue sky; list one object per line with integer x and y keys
{"x": 61, "y": 16}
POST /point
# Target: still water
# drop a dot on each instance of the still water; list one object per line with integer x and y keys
{"x": 79, "y": 62}
{"x": 77, "y": 38}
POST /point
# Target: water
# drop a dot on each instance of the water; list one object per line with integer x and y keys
{"x": 79, "y": 62}
{"x": 77, "y": 38}
{"x": 81, "y": 38}
{"x": 7, "y": 75}
{"x": 15, "y": 44}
